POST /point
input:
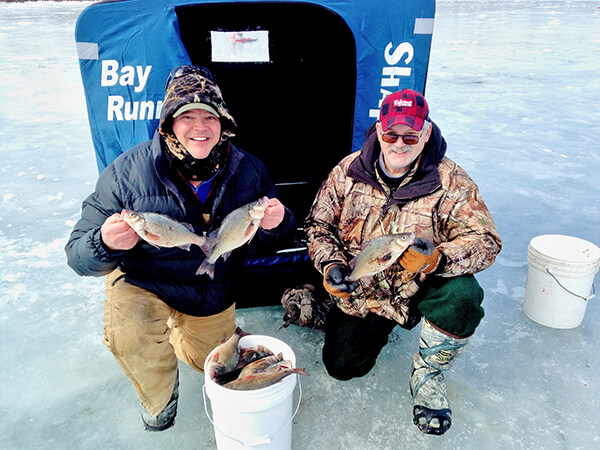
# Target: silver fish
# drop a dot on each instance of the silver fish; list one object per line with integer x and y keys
{"x": 263, "y": 379}
{"x": 261, "y": 365}
{"x": 225, "y": 356}
{"x": 161, "y": 231}
{"x": 379, "y": 254}
{"x": 238, "y": 228}
{"x": 251, "y": 354}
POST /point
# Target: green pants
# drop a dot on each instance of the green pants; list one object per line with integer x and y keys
{"x": 352, "y": 344}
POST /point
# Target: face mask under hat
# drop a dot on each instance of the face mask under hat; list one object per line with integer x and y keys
{"x": 193, "y": 88}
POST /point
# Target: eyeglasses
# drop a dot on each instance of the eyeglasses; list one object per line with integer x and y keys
{"x": 408, "y": 139}
{"x": 182, "y": 71}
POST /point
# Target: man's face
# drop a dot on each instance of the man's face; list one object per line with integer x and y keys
{"x": 198, "y": 131}
{"x": 399, "y": 156}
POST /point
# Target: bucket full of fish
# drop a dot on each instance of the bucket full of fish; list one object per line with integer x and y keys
{"x": 560, "y": 279}
{"x": 250, "y": 382}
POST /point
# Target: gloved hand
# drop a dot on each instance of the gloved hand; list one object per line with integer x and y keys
{"x": 421, "y": 257}
{"x": 334, "y": 283}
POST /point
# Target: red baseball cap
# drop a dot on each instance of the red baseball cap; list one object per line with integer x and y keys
{"x": 406, "y": 106}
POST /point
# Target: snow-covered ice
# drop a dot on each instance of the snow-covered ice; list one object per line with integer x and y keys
{"x": 514, "y": 86}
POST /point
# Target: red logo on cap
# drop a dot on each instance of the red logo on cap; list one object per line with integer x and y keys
{"x": 403, "y": 103}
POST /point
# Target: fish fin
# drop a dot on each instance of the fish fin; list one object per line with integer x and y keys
{"x": 151, "y": 238}
{"x": 298, "y": 371}
{"x": 206, "y": 268}
{"x": 352, "y": 262}
{"x": 188, "y": 226}
{"x": 251, "y": 231}
{"x": 185, "y": 246}
{"x": 225, "y": 256}
{"x": 241, "y": 333}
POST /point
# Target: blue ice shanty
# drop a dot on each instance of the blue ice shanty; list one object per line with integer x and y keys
{"x": 303, "y": 79}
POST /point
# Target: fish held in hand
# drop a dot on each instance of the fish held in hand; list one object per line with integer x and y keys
{"x": 238, "y": 228}
{"x": 161, "y": 231}
{"x": 379, "y": 254}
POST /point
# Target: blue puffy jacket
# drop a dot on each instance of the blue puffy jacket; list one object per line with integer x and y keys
{"x": 139, "y": 180}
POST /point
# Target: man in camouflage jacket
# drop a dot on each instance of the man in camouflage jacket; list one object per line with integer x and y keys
{"x": 402, "y": 182}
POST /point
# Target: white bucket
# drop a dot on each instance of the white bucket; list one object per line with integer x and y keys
{"x": 560, "y": 279}
{"x": 257, "y": 419}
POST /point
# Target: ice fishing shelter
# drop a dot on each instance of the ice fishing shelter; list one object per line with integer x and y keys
{"x": 303, "y": 79}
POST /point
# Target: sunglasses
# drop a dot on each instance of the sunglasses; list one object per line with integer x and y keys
{"x": 182, "y": 71}
{"x": 408, "y": 139}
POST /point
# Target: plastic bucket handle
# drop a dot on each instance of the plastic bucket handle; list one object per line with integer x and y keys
{"x": 257, "y": 441}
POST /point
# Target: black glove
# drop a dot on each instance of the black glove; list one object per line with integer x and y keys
{"x": 334, "y": 281}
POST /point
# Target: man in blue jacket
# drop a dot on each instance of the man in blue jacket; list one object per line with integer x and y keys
{"x": 157, "y": 310}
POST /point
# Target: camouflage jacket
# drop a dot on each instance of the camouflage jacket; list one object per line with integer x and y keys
{"x": 437, "y": 200}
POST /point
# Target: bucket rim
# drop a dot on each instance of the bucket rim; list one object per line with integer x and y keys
{"x": 541, "y": 262}
{"x": 580, "y": 251}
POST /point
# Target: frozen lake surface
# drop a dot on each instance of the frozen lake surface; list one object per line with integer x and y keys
{"x": 514, "y": 86}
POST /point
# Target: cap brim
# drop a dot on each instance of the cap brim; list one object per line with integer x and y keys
{"x": 190, "y": 106}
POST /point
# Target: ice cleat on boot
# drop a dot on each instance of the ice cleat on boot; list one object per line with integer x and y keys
{"x": 166, "y": 418}
{"x": 437, "y": 352}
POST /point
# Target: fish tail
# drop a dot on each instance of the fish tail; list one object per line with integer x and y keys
{"x": 298, "y": 371}
{"x": 206, "y": 268}
{"x": 241, "y": 333}
{"x": 206, "y": 244}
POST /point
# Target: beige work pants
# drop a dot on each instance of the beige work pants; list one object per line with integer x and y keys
{"x": 146, "y": 337}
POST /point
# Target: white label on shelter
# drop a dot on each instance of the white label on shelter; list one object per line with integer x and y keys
{"x": 240, "y": 46}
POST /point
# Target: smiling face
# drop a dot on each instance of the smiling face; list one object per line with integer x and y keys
{"x": 198, "y": 131}
{"x": 399, "y": 156}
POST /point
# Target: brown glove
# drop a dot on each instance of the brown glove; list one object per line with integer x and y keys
{"x": 334, "y": 281}
{"x": 421, "y": 257}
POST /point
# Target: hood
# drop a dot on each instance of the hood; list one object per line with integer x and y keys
{"x": 194, "y": 88}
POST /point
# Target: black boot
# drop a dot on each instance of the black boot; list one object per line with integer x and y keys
{"x": 166, "y": 418}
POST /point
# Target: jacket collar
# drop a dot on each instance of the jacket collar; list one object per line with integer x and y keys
{"x": 423, "y": 177}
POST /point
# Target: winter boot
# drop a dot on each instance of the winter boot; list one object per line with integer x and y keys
{"x": 437, "y": 352}
{"x": 166, "y": 418}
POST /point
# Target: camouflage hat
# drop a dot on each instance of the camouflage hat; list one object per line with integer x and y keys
{"x": 404, "y": 107}
{"x": 194, "y": 86}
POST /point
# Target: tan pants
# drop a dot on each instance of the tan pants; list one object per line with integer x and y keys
{"x": 147, "y": 336}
